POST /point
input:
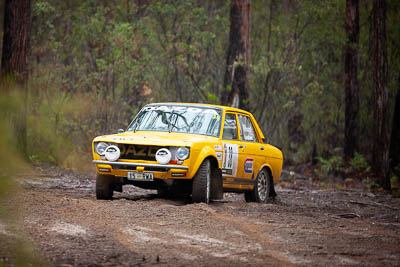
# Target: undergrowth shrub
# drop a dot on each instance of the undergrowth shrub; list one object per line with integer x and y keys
{"x": 332, "y": 165}
{"x": 61, "y": 125}
{"x": 359, "y": 163}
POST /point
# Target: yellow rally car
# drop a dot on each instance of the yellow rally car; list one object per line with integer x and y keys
{"x": 189, "y": 149}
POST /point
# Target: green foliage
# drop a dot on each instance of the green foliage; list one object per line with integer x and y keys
{"x": 11, "y": 163}
{"x": 394, "y": 181}
{"x": 396, "y": 192}
{"x": 245, "y": 101}
{"x": 297, "y": 72}
{"x": 359, "y": 163}
{"x": 120, "y": 56}
{"x": 302, "y": 154}
{"x": 211, "y": 98}
{"x": 332, "y": 165}
{"x": 371, "y": 183}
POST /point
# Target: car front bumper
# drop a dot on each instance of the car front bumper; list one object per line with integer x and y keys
{"x": 121, "y": 169}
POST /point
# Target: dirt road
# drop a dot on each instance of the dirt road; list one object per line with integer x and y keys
{"x": 305, "y": 226}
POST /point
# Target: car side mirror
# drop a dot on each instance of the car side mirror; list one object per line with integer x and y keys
{"x": 120, "y": 131}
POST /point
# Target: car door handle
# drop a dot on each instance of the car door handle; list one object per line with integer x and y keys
{"x": 261, "y": 147}
{"x": 240, "y": 146}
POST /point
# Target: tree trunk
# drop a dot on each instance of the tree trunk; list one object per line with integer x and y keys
{"x": 1, "y": 22}
{"x": 14, "y": 67}
{"x": 395, "y": 139}
{"x": 141, "y": 6}
{"x": 380, "y": 160}
{"x": 236, "y": 84}
{"x": 17, "y": 22}
{"x": 352, "y": 101}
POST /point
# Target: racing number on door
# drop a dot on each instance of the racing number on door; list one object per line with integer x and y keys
{"x": 230, "y": 159}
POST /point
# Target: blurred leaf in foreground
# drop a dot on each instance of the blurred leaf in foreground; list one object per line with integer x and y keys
{"x": 15, "y": 247}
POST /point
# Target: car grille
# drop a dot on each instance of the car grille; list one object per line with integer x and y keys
{"x": 138, "y": 152}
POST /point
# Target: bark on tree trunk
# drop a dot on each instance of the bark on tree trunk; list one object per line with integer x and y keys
{"x": 236, "y": 84}
{"x": 1, "y": 21}
{"x": 14, "y": 67}
{"x": 380, "y": 151}
{"x": 395, "y": 139}
{"x": 17, "y": 22}
{"x": 351, "y": 79}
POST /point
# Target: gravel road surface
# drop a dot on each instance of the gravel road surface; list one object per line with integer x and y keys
{"x": 305, "y": 225}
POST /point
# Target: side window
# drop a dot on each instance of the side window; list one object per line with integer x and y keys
{"x": 247, "y": 132}
{"x": 230, "y": 127}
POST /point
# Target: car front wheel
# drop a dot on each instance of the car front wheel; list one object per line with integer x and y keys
{"x": 201, "y": 183}
{"x": 104, "y": 188}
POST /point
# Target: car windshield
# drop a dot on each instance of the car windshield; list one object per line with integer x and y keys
{"x": 182, "y": 119}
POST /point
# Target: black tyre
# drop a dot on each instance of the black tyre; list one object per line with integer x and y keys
{"x": 164, "y": 192}
{"x": 104, "y": 186}
{"x": 201, "y": 183}
{"x": 178, "y": 189}
{"x": 249, "y": 196}
{"x": 262, "y": 188}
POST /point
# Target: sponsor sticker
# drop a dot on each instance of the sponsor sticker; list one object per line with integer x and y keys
{"x": 182, "y": 108}
{"x": 248, "y": 165}
{"x": 217, "y": 148}
{"x": 176, "y": 174}
{"x": 219, "y": 155}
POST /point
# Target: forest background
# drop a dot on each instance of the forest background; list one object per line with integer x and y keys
{"x": 93, "y": 64}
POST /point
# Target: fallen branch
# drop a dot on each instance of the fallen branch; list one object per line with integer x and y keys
{"x": 345, "y": 215}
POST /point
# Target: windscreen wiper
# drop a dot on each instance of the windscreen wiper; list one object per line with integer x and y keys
{"x": 169, "y": 121}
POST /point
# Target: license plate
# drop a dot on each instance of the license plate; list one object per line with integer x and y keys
{"x": 140, "y": 176}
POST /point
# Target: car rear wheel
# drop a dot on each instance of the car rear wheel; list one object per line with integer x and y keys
{"x": 262, "y": 187}
{"x": 104, "y": 187}
{"x": 201, "y": 183}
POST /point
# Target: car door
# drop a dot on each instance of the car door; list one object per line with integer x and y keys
{"x": 231, "y": 147}
{"x": 253, "y": 148}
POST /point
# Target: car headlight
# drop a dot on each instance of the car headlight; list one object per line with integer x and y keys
{"x": 112, "y": 153}
{"x": 182, "y": 153}
{"x": 101, "y": 148}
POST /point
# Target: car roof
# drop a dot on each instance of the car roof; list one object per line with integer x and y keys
{"x": 202, "y": 105}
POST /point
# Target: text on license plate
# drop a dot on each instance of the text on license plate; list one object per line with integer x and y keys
{"x": 140, "y": 176}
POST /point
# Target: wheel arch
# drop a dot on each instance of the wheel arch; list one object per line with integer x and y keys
{"x": 205, "y": 153}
